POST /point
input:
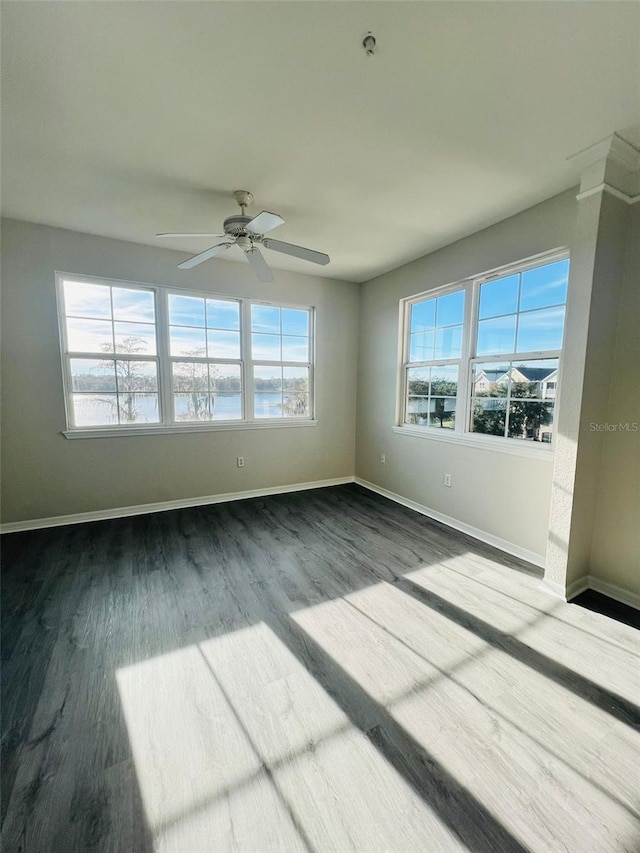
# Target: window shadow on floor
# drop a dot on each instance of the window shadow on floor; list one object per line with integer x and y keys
{"x": 452, "y": 801}
{"x": 617, "y": 706}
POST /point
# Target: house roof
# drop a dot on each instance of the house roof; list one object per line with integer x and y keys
{"x": 491, "y": 375}
{"x": 535, "y": 374}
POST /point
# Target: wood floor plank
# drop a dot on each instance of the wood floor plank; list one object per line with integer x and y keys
{"x": 322, "y": 670}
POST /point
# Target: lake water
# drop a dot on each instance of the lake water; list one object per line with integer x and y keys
{"x": 101, "y": 409}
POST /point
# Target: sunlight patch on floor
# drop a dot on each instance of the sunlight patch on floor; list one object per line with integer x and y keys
{"x": 237, "y": 746}
{"x": 189, "y": 752}
{"x": 600, "y": 662}
{"x": 458, "y": 698}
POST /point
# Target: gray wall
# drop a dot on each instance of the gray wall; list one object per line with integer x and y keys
{"x": 615, "y": 549}
{"x": 505, "y": 495}
{"x": 45, "y": 474}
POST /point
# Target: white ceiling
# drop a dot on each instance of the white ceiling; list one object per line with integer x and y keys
{"x": 128, "y": 118}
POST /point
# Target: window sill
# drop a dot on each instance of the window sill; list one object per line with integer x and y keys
{"x": 162, "y": 429}
{"x": 510, "y": 446}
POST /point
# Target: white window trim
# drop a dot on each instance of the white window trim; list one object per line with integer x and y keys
{"x": 461, "y": 434}
{"x": 164, "y": 360}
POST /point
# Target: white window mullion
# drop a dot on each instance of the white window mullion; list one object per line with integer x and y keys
{"x": 165, "y": 387}
{"x": 312, "y": 360}
{"x": 247, "y": 363}
{"x": 471, "y": 335}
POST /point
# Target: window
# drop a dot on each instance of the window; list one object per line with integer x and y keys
{"x": 435, "y": 350}
{"x": 145, "y": 357}
{"x": 281, "y": 347}
{"x": 482, "y": 357}
{"x": 206, "y": 367}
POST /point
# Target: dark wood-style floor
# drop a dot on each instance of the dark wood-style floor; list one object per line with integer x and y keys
{"x": 322, "y": 671}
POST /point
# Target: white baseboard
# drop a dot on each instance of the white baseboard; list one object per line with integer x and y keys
{"x": 590, "y": 582}
{"x": 624, "y": 596}
{"x": 482, "y": 535}
{"x": 163, "y": 506}
{"x": 578, "y": 586}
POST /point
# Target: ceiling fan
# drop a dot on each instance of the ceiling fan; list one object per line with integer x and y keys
{"x": 249, "y": 234}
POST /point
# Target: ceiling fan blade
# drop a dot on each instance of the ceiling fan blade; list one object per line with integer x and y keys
{"x": 203, "y": 256}
{"x": 297, "y": 251}
{"x": 171, "y": 234}
{"x": 257, "y": 261}
{"x": 264, "y": 222}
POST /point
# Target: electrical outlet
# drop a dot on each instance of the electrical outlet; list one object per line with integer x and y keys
{"x": 446, "y": 480}
{"x": 383, "y": 458}
{"x": 240, "y": 461}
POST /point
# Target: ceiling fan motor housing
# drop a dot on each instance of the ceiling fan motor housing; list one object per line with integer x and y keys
{"x": 235, "y": 226}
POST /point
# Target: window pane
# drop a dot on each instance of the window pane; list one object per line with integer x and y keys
{"x": 186, "y": 310}
{"x": 418, "y": 380}
{"x": 448, "y": 342}
{"x": 295, "y": 378}
{"x": 497, "y": 335}
{"x": 137, "y": 306}
{"x": 545, "y": 285}
{"x": 95, "y": 409}
{"x": 295, "y": 322}
{"x": 531, "y": 378}
{"x": 267, "y": 379}
{"x": 541, "y": 330}
{"x": 442, "y": 412}
{"x": 265, "y": 347}
{"x": 197, "y": 406}
{"x": 135, "y": 338}
{"x": 530, "y": 420}
{"x": 491, "y": 379}
{"x": 267, "y": 405}
{"x": 265, "y": 319}
{"x": 134, "y": 407}
{"x": 444, "y": 381}
{"x": 421, "y": 346}
{"x": 192, "y": 376}
{"x": 226, "y": 407}
{"x": 423, "y": 315}
{"x": 417, "y": 411}
{"x": 295, "y": 404}
{"x": 499, "y": 297}
{"x": 489, "y": 416}
{"x": 225, "y": 378}
{"x": 137, "y": 375}
{"x": 295, "y": 349}
{"x": 92, "y": 375}
{"x": 185, "y": 341}
{"x": 450, "y": 309}
{"x": 89, "y": 335}
{"x": 87, "y": 300}
{"x": 223, "y": 315}
{"x": 222, "y": 344}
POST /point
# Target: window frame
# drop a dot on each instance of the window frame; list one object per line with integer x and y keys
{"x": 435, "y": 362}
{"x": 166, "y": 404}
{"x": 462, "y": 433}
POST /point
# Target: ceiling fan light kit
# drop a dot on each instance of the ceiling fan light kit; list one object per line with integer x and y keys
{"x": 247, "y": 233}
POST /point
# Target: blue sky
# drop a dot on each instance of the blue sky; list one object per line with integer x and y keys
{"x": 101, "y": 316}
{"x": 537, "y": 288}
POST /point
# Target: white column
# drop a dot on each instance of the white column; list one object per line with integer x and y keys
{"x": 610, "y": 184}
